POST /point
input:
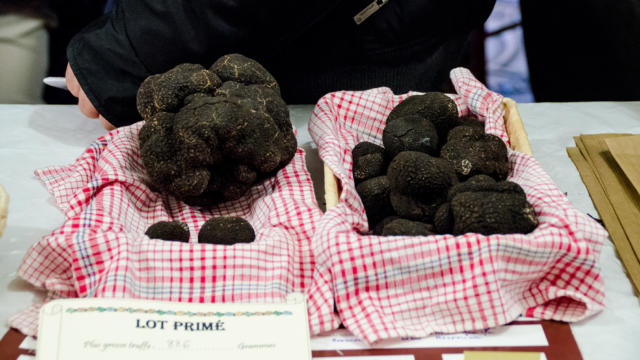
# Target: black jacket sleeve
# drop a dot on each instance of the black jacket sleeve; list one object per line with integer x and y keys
{"x": 311, "y": 46}
{"x": 112, "y": 56}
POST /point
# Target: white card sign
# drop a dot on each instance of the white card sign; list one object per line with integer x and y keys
{"x": 107, "y": 329}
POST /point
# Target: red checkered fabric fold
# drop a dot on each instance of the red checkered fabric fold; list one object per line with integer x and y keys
{"x": 387, "y": 287}
{"x": 100, "y": 250}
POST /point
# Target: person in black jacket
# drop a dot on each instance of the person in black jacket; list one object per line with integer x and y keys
{"x": 311, "y": 47}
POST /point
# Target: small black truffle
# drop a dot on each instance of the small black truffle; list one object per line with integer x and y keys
{"x": 420, "y": 175}
{"x": 377, "y": 230}
{"x": 489, "y": 207}
{"x": 410, "y": 133}
{"x": 407, "y": 227}
{"x": 442, "y": 220}
{"x": 419, "y": 184}
{"x": 374, "y": 194}
{"x": 369, "y": 161}
{"x": 436, "y": 107}
{"x": 471, "y": 151}
{"x": 169, "y": 230}
{"x": 226, "y": 231}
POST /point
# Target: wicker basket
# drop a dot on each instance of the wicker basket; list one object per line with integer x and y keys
{"x": 515, "y": 130}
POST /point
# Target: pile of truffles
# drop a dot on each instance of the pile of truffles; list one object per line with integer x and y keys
{"x": 210, "y": 134}
{"x": 224, "y": 230}
{"x": 438, "y": 173}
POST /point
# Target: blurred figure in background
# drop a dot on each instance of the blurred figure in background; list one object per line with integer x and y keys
{"x": 311, "y": 47}
{"x": 24, "y": 49}
{"x": 34, "y": 35}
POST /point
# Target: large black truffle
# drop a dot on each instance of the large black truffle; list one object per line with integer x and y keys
{"x": 169, "y": 230}
{"x": 471, "y": 151}
{"x": 226, "y": 231}
{"x": 209, "y": 135}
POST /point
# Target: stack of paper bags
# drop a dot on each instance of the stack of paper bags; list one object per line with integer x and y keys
{"x": 609, "y": 165}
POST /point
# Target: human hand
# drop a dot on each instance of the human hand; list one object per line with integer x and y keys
{"x": 85, "y": 105}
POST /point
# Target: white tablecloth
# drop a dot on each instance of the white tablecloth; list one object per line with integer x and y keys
{"x": 35, "y": 136}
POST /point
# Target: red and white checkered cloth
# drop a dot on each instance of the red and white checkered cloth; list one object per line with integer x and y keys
{"x": 100, "y": 250}
{"x": 388, "y": 287}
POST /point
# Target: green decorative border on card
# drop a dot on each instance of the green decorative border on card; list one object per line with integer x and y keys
{"x": 131, "y": 310}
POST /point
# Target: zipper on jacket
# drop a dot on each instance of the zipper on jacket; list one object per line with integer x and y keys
{"x": 368, "y": 11}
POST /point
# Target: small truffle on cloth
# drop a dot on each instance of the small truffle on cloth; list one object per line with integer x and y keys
{"x": 227, "y": 230}
{"x": 169, "y": 230}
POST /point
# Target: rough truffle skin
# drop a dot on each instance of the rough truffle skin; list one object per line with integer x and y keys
{"x": 215, "y": 141}
{"x": 420, "y": 175}
{"x": 169, "y": 230}
{"x": 485, "y": 183}
{"x": 239, "y": 68}
{"x": 442, "y": 220}
{"x": 419, "y": 184}
{"x": 410, "y": 133}
{"x": 411, "y": 208}
{"x": 491, "y": 208}
{"x": 226, "y": 231}
{"x": 436, "y": 107}
{"x": 374, "y": 194}
{"x": 407, "y": 227}
{"x": 369, "y": 161}
{"x": 166, "y": 91}
{"x": 377, "y": 230}
{"x": 470, "y": 151}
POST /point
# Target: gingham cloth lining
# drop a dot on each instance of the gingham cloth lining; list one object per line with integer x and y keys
{"x": 100, "y": 250}
{"x": 387, "y": 287}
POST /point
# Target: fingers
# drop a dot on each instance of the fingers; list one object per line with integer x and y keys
{"x": 85, "y": 105}
{"x": 72, "y": 83}
{"x": 107, "y": 125}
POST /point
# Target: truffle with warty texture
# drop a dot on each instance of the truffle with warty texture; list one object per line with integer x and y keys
{"x": 436, "y": 107}
{"x": 408, "y": 228}
{"x": 169, "y": 230}
{"x": 226, "y": 230}
{"x": 374, "y": 194}
{"x": 419, "y": 184}
{"x": 369, "y": 161}
{"x": 488, "y": 207}
{"x": 216, "y": 139}
{"x": 471, "y": 151}
{"x": 410, "y": 133}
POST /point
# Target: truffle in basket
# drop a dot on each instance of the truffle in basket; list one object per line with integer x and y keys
{"x": 445, "y": 175}
{"x": 210, "y": 134}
